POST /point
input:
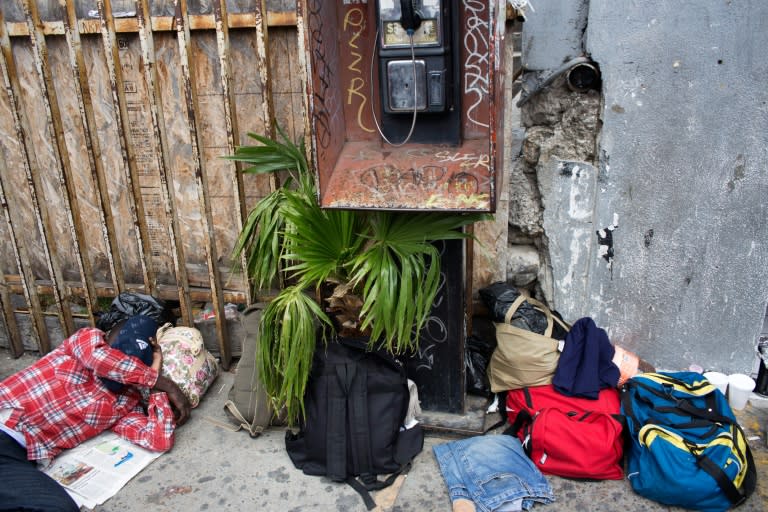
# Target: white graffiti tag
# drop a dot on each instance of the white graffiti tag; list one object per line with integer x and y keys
{"x": 476, "y": 65}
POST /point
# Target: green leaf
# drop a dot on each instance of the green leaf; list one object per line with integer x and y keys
{"x": 286, "y": 343}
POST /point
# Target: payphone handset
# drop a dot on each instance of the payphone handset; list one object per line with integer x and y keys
{"x": 410, "y": 18}
{"x": 397, "y": 18}
{"x": 414, "y": 55}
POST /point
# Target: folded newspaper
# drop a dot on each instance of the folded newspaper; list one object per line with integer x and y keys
{"x": 94, "y": 471}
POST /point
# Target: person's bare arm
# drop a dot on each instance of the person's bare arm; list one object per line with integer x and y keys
{"x": 179, "y": 402}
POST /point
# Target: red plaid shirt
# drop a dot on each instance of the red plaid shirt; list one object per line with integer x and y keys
{"x": 59, "y": 401}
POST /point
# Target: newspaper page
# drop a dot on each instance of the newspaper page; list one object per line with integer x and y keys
{"x": 94, "y": 471}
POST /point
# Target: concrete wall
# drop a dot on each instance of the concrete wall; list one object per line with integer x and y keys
{"x": 679, "y": 185}
{"x": 546, "y": 45}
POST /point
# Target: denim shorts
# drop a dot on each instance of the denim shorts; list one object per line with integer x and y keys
{"x": 493, "y": 472}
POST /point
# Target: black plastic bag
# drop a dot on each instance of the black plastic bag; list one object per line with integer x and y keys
{"x": 478, "y": 354}
{"x": 498, "y": 297}
{"x": 129, "y": 304}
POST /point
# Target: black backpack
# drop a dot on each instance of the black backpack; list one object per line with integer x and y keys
{"x": 355, "y": 403}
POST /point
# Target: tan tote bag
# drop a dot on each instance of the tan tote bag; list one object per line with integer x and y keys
{"x": 524, "y": 358}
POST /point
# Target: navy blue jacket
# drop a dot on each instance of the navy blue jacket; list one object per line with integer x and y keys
{"x": 585, "y": 366}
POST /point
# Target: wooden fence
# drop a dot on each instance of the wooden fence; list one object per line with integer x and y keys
{"x": 113, "y": 120}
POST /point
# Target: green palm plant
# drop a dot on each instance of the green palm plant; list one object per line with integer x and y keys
{"x": 373, "y": 273}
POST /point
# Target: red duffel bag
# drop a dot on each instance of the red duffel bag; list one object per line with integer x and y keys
{"x": 569, "y": 436}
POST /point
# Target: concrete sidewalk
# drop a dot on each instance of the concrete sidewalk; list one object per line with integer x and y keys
{"x": 212, "y": 468}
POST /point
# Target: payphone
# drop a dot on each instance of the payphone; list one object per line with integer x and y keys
{"x": 405, "y": 102}
{"x": 417, "y": 66}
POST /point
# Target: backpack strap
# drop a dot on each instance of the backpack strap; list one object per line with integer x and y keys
{"x": 523, "y": 418}
{"x": 359, "y": 435}
{"x": 519, "y": 421}
{"x": 363, "y": 488}
{"x": 710, "y": 413}
{"x": 495, "y": 426}
{"x": 730, "y": 490}
{"x": 681, "y": 406}
{"x": 631, "y": 424}
{"x": 336, "y": 435}
{"x": 352, "y": 380}
{"x": 539, "y": 306}
{"x": 501, "y": 406}
{"x": 252, "y": 428}
{"x": 360, "y": 442}
{"x": 528, "y": 398}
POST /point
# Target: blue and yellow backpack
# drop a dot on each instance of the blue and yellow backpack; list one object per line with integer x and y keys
{"x": 685, "y": 446}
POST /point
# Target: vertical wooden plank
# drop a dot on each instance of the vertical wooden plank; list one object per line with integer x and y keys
{"x": 9, "y": 317}
{"x": 262, "y": 64}
{"x": 161, "y": 147}
{"x": 230, "y": 120}
{"x": 252, "y": 82}
{"x": 35, "y": 187}
{"x": 19, "y": 249}
{"x": 119, "y": 105}
{"x": 15, "y": 344}
{"x": 209, "y": 241}
{"x": 93, "y": 148}
{"x": 304, "y": 62}
{"x": 228, "y": 61}
{"x": 65, "y": 178}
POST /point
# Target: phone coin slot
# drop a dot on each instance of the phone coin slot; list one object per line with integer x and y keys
{"x": 436, "y": 88}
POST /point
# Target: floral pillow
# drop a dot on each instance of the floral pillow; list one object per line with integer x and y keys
{"x": 186, "y": 361}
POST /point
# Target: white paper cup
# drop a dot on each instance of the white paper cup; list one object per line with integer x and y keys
{"x": 739, "y": 388}
{"x": 719, "y": 380}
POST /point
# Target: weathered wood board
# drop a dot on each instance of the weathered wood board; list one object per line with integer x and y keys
{"x": 79, "y": 241}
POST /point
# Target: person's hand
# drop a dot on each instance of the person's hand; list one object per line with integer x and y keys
{"x": 179, "y": 402}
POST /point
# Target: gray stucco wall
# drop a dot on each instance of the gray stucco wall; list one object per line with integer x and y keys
{"x": 682, "y": 176}
{"x": 546, "y": 45}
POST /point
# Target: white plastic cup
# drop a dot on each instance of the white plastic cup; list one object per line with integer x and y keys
{"x": 739, "y": 388}
{"x": 717, "y": 379}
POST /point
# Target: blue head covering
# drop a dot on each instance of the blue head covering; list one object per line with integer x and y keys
{"x": 133, "y": 340}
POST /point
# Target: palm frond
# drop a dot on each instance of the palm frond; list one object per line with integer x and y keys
{"x": 272, "y": 155}
{"x": 399, "y": 270}
{"x": 320, "y": 246}
{"x": 286, "y": 343}
{"x": 260, "y": 240}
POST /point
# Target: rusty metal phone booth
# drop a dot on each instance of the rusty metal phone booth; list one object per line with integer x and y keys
{"x": 404, "y": 106}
